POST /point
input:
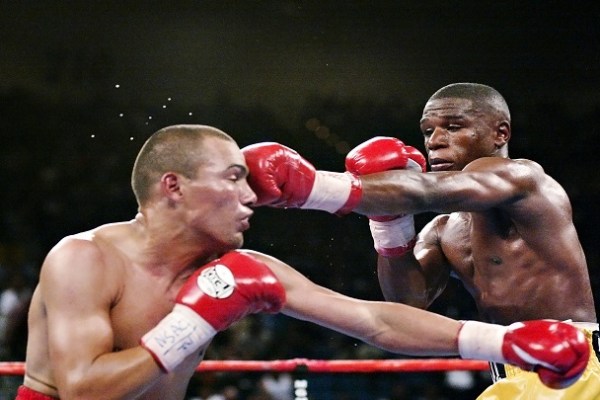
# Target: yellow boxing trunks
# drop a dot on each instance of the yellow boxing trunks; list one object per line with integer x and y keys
{"x": 25, "y": 393}
{"x": 516, "y": 384}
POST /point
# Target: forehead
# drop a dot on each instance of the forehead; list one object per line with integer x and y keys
{"x": 451, "y": 107}
{"x": 220, "y": 153}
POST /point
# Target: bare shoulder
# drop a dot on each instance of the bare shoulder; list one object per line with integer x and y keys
{"x": 517, "y": 177}
{"x": 535, "y": 197}
{"x": 519, "y": 167}
{"x": 433, "y": 229}
{"x": 81, "y": 249}
{"x": 429, "y": 238}
{"x": 80, "y": 242}
{"x": 72, "y": 253}
{"x": 84, "y": 260}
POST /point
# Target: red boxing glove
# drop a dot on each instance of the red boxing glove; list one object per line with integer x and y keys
{"x": 383, "y": 153}
{"x": 393, "y": 235}
{"x": 212, "y": 299}
{"x": 556, "y": 351}
{"x": 280, "y": 177}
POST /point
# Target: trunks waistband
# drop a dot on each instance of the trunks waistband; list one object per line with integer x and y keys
{"x": 25, "y": 393}
{"x": 590, "y": 326}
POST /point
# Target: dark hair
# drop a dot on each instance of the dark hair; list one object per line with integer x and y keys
{"x": 481, "y": 96}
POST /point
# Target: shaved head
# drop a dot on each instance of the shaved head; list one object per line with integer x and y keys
{"x": 176, "y": 148}
{"x": 485, "y": 98}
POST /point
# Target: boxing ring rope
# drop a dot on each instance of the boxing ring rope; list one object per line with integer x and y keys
{"x": 315, "y": 366}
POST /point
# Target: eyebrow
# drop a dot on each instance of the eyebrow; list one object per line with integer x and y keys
{"x": 241, "y": 167}
{"x": 452, "y": 117}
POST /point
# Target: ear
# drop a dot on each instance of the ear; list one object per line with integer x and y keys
{"x": 502, "y": 133}
{"x": 170, "y": 184}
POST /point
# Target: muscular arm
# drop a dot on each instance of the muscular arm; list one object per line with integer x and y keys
{"x": 418, "y": 277}
{"x": 484, "y": 183}
{"x": 78, "y": 290}
{"x": 503, "y": 197}
{"x": 394, "y": 327}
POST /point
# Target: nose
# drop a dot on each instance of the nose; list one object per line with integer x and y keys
{"x": 249, "y": 198}
{"x": 437, "y": 139}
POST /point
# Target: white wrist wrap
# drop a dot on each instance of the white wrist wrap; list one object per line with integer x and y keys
{"x": 330, "y": 191}
{"x": 481, "y": 341}
{"x": 178, "y": 335}
{"x": 395, "y": 234}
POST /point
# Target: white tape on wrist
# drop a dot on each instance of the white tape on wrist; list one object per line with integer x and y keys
{"x": 179, "y": 334}
{"x": 413, "y": 165}
{"x": 481, "y": 341}
{"x": 330, "y": 191}
{"x": 395, "y": 236}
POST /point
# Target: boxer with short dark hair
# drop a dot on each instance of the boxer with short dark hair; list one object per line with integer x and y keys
{"x": 127, "y": 310}
{"x": 505, "y": 227}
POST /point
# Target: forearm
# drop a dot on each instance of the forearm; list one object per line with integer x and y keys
{"x": 410, "y": 331}
{"x": 402, "y": 281}
{"x": 124, "y": 374}
{"x": 397, "y": 328}
{"x": 394, "y": 192}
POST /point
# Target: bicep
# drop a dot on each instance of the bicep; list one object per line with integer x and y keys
{"x": 483, "y": 184}
{"x": 77, "y": 307}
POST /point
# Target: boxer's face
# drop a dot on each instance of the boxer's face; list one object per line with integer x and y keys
{"x": 455, "y": 133}
{"x": 218, "y": 199}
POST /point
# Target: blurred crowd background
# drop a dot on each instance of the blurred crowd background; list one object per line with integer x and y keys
{"x": 73, "y": 121}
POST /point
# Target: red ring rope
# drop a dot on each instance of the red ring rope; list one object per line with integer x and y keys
{"x": 318, "y": 366}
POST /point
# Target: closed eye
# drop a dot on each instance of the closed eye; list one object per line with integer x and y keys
{"x": 427, "y": 132}
{"x": 237, "y": 172}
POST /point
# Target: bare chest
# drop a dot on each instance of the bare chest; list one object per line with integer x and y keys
{"x": 479, "y": 247}
{"x": 144, "y": 300}
{"x": 498, "y": 267}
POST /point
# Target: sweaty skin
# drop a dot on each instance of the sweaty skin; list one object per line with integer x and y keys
{"x": 506, "y": 229}
{"x": 101, "y": 337}
{"x": 100, "y": 291}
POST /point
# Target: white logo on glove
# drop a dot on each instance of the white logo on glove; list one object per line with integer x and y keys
{"x": 217, "y": 281}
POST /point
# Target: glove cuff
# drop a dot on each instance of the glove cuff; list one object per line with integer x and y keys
{"x": 355, "y": 195}
{"x": 395, "y": 237}
{"x": 481, "y": 341}
{"x": 179, "y": 334}
{"x": 334, "y": 192}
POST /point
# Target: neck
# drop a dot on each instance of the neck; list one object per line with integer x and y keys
{"x": 167, "y": 247}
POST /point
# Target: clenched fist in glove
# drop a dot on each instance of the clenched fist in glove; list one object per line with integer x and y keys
{"x": 214, "y": 297}
{"x": 556, "y": 351}
{"x": 392, "y": 235}
{"x": 280, "y": 177}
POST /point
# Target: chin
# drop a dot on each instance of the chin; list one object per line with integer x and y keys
{"x": 240, "y": 238}
{"x": 236, "y": 242}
